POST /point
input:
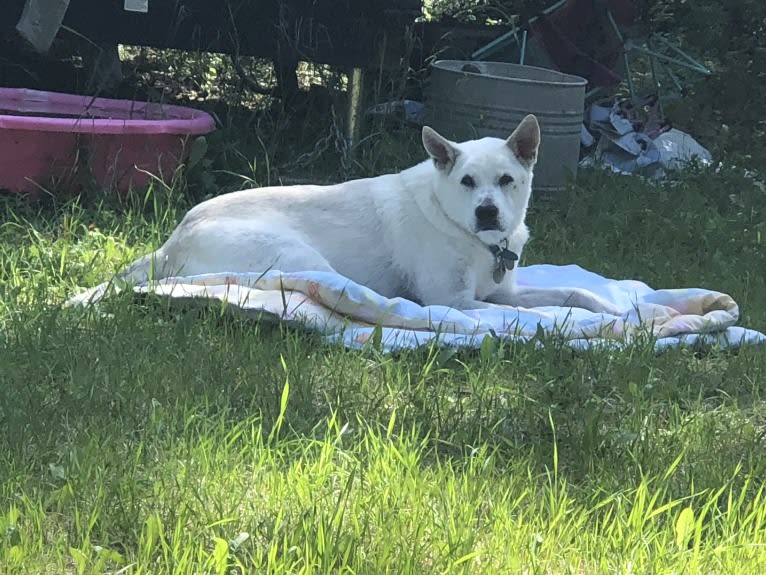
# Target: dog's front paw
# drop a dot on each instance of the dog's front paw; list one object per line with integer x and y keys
{"x": 462, "y": 304}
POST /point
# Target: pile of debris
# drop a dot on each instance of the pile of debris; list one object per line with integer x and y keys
{"x": 636, "y": 139}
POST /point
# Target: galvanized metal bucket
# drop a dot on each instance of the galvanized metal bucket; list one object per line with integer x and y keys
{"x": 468, "y": 100}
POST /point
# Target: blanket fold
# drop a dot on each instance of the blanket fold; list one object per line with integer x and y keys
{"x": 348, "y": 312}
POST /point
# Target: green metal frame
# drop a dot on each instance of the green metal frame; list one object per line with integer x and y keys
{"x": 502, "y": 41}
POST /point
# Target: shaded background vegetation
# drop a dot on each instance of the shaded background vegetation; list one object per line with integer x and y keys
{"x": 725, "y": 111}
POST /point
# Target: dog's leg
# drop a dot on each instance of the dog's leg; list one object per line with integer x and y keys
{"x": 252, "y": 248}
{"x": 453, "y": 288}
{"x": 529, "y": 297}
{"x": 296, "y": 257}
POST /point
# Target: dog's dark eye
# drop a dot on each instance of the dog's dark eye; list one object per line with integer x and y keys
{"x": 468, "y": 182}
{"x": 505, "y": 179}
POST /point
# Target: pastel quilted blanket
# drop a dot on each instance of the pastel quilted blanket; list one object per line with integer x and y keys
{"x": 352, "y": 314}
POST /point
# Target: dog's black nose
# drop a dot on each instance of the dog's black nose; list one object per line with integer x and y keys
{"x": 486, "y": 216}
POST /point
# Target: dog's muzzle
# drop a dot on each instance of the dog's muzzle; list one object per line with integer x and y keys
{"x": 487, "y": 217}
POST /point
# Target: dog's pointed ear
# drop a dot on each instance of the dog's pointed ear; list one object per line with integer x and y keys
{"x": 442, "y": 151}
{"x": 525, "y": 140}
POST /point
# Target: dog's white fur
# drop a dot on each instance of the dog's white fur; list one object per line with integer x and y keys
{"x": 415, "y": 234}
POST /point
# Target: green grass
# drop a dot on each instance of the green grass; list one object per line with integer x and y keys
{"x": 151, "y": 439}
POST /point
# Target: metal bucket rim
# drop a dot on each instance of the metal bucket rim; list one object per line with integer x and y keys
{"x": 567, "y": 80}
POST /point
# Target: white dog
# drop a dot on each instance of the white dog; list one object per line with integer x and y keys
{"x": 446, "y": 231}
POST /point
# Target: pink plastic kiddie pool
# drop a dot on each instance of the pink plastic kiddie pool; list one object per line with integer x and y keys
{"x": 47, "y": 138}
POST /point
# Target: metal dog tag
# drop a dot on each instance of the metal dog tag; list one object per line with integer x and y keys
{"x": 499, "y": 272}
{"x": 505, "y": 259}
{"x": 508, "y": 258}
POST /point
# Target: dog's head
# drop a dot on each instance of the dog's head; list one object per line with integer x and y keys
{"x": 485, "y": 184}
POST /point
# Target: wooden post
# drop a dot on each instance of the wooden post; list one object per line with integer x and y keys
{"x": 355, "y": 113}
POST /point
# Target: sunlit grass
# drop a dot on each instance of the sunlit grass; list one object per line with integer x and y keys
{"x": 152, "y": 439}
